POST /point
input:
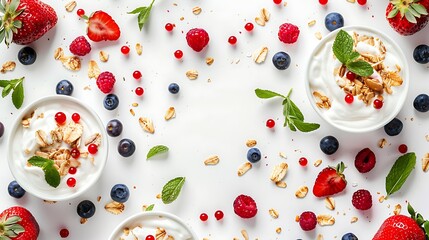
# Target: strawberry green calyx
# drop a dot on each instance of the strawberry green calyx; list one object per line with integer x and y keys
{"x": 9, "y": 227}
{"x": 8, "y": 22}
{"x": 424, "y": 224}
{"x": 411, "y": 9}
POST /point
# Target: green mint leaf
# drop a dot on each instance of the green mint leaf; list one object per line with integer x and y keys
{"x": 6, "y": 90}
{"x": 305, "y": 127}
{"x": 38, "y": 161}
{"x": 18, "y": 95}
{"x": 4, "y": 83}
{"x": 343, "y": 46}
{"x": 156, "y": 150}
{"x": 353, "y": 56}
{"x": 289, "y": 122}
{"x": 267, "y": 93}
{"x": 399, "y": 172}
{"x": 143, "y": 14}
{"x": 52, "y": 176}
{"x": 137, "y": 10}
{"x": 292, "y": 110}
{"x": 171, "y": 190}
{"x": 150, "y": 208}
{"x": 361, "y": 68}
{"x": 419, "y": 8}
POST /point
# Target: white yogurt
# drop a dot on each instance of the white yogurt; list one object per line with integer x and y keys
{"x": 357, "y": 116}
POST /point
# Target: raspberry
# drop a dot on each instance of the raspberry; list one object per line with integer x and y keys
{"x": 197, "y": 39}
{"x": 365, "y": 160}
{"x": 245, "y": 206}
{"x": 288, "y": 33}
{"x": 105, "y": 82}
{"x": 80, "y": 46}
{"x": 307, "y": 221}
{"x": 362, "y": 199}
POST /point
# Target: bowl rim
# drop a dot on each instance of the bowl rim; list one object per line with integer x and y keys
{"x": 136, "y": 216}
{"x": 399, "y": 104}
{"x": 17, "y": 123}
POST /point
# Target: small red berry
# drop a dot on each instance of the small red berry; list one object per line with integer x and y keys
{"x": 277, "y": 1}
{"x": 71, "y": 182}
{"x": 137, "y": 74}
{"x": 75, "y": 117}
{"x": 80, "y": 46}
{"x": 204, "y": 217}
{"x": 349, "y": 98}
{"x": 178, "y": 54}
{"x": 150, "y": 237}
{"x": 80, "y": 12}
{"x": 361, "y": 2}
{"x": 125, "y": 50}
{"x": 139, "y": 91}
{"x": 218, "y": 215}
{"x": 72, "y": 170}
{"x": 307, "y": 221}
{"x": 64, "y": 233}
{"x": 249, "y": 26}
{"x": 169, "y": 27}
{"x": 403, "y": 148}
{"x": 378, "y": 104}
{"x": 75, "y": 153}
{"x": 350, "y": 76}
{"x": 323, "y": 2}
{"x": 362, "y": 199}
{"x": 232, "y": 40}
{"x": 92, "y": 148}
{"x": 60, "y": 118}
{"x": 105, "y": 82}
{"x": 303, "y": 161}
{"x": 270, "y": 123}
{"x": 288, "y": 33}
{"x": 197, "y": 39}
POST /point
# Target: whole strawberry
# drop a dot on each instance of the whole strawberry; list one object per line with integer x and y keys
{"x": 197, "y": 39}
{"x": 18, "y": 223}
{"x": 407, "y": 16}
{"x": 330, "y": 181}
{"x": 26, "y": 23}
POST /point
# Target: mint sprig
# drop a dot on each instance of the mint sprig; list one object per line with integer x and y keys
{"x": 52, "y": 176}
{"x": 343, "y": 51}
{"x": 150, "y": 208}
{"x": 16, "y": 87}
{"x": 143, "y": 14}
{"x": 158, "y": 149}
{"x": 293, "y": 115}
{"x": 399, "y": 172}
{"x": 171, "y": 190}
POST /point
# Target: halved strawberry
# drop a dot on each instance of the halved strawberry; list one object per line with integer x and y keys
{"x": 330, "y": 181}
{"x": 101, "y": 26}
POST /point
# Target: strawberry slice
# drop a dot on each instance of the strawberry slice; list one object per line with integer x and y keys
{"x": 101, "y": 26}
{"x": 330, "y": 181}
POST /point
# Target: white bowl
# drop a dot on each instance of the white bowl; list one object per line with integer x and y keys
{"x": 31, "y": 178}
{"x": 355, "y": 117}
{"x": 151, "y": 220}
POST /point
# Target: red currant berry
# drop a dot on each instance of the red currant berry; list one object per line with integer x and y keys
{"x": 203, "y": 217}
{"x": 72, "y": 170}
{"x": 232, "y": 40}
{"x": 64, "y": 233}
{"x": 270, "y": 123}
{"x": 218, "y": 215}
{"x": 178, "y": 54}
{"x": 75, "y": 153}
{"x": 60, "y": 118}
{"x": 323, "y": 2}
{"x": 303, "y": 161}
{"x": 277, "y": 1}
{"x": 92, "y": 148}
{"x": 169, "y": 27}
{"x": 71, "y": 182}
{"x": 125, "y": 50}
{"x": 80, "y": 12}
{"x": 139, "y": 91}
{"x": 361, "y": 2}
{"x": 75, "y": 117}
{"x": 403, "y": 148}
{"x": 349, "y": 98}
{"x": 248, "y": 26}
{"x": 150, "y": 237}
{"x": 137, "y": 74}
{"x": 378, "y": 104}
{"x": 350, "y": 76}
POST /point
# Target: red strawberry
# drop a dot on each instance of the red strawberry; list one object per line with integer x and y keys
{"x": 407, "y": 16}
{"x": 330, "y": 181}
{"x": 101, "y": 26}
{"x": 27, "y": 23}
{"x": 18, "y": 223}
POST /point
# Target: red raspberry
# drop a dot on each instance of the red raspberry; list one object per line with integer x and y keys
{"x": 365, "y": 160}
{"x": 80, "y": 46}
{"x": 307, "y": 221}
{"x": 245, "y": 206}
{"x": 105, "y": 82}
{"x": 197, "y": 39}
{"x": 288, "y": 33}
{"x": 362, "y": 199}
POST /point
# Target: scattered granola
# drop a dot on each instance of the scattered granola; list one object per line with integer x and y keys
{"x": 260, "y": 55}
{"x": 244, "y": 168}
{"x": 251, "y": 143}
{"x": 192, "y": 74}
{"x": 8, "y": 66}
{"x": 171, "y": 113}
{"x": 213, "y": 160}
{"x": 301, "y": 192}
{"x": 273, "y": 213}
{"x": 425, "y": 162}
{"x": 70, "y": 6}
{"x": 325, "y": 220}
{"x": 147, "y": 124}
{"x": 196, "y": 10}
{"x": 330, "y": 203}
{"x": 115, "y": 207}
{"x": 103, "y": 56}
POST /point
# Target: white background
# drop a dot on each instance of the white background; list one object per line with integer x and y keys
{"x": 216, "y": 118}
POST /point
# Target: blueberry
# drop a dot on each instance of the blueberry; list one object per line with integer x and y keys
{"x": 253, "y": 155}
{"x": 173, "y": 88}
{"x": 421, "y": 54}
{"x": 111, "y": 101}
{"x": 15, "y": 190}
{"x": 281, "y": 60}
{"x": 27, "y": 56}
{"x": 421, "y": 103}
{"x": 329, "y": 145}
{"x": 126, "y": 147}
{"x": 334, "y": 21}
{"x": 114, "y": 128}
{"x": 394, "y": 127}
{"x": 86, "y": 209}
{"x": 64, "y": 87}
{"x": 1, "y": 129}
{"x": 120, "y": 193}
{"x": 349, "y": 236}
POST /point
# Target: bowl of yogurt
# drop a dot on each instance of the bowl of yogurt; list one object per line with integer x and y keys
{"x": 161, "y": 225}
{"x": 57, "y": 148}
{"x": 351, "y": 102}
